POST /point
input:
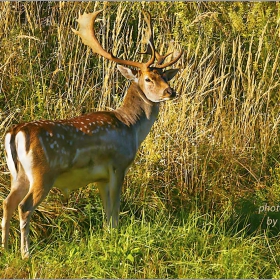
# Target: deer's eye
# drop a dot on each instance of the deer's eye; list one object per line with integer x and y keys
{"x": 147, "y": 80}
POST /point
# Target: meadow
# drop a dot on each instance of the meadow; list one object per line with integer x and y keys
{"x": 201, "y": 199}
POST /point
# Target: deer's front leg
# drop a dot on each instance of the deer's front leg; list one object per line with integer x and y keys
{"x": 110, "y": 193}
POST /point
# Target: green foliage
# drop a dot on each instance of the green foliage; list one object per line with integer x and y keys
{"x": 215, "y": 148}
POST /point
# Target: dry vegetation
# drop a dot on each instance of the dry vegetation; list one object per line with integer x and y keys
{"x": 214, "y": 151}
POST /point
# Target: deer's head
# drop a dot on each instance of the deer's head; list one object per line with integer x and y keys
{"x": 151, "y": 79}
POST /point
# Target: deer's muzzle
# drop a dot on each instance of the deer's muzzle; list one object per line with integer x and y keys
{"x": 169, "y": 93}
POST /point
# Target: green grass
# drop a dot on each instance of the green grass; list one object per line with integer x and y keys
{"x": 190, "y": 202}
{"x": 193, "y": 247}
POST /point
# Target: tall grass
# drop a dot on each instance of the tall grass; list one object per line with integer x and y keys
{"x": 215, "y": 148}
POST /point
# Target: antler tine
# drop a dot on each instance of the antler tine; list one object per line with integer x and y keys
{"x": 87, "y": 34}
{"x": 160, "y": 58}
{"x": 151, "y": 45}
{"x": 170, "y": 62}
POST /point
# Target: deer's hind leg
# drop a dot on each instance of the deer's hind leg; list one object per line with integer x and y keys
{"x": 38, "y": 190}
{"x": 19, "y": 188}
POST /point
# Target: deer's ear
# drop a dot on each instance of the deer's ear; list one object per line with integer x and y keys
{"x": 169, "y": 74}
{"x": 128, "y": 73}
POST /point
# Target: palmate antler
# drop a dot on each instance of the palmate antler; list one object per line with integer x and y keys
{"x": 87, "y": 34}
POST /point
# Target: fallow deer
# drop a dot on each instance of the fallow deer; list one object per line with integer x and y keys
{"x": 98, "y": 147}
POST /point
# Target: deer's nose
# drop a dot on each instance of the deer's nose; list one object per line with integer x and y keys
{"x": 169, "y": 92}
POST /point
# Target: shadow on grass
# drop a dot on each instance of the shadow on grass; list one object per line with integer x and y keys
{"x": 261, "y": 217}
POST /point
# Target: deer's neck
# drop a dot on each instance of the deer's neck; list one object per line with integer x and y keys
{"x": 138, "y": 112}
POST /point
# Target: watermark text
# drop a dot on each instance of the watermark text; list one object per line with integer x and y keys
{"x": 267, "y": 208}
